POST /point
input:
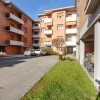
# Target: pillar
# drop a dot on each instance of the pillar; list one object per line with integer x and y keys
{"x": 97, "y": 51}
{"x": 82, "y": 52}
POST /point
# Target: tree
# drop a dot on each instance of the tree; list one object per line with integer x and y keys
{"x": 59, "y": 44}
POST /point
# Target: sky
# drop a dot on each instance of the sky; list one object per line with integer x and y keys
{"x": 34, "y": 7}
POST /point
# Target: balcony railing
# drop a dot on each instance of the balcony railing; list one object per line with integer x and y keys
{"x": 15, "y": 18}
{"x": 36, "y": 44}
{"x": 14, "y": 30}
{"x": 48, "y": 32}
{"x": 70, "y": 43}
{"x": 16, "y": 43}
{"x": 71, "y": 18}
{"x": 36, "y": 27}
{"x": 47, "y": 43}
{"x": 71, "y": 31}
{"x": 36, "y": 36}
{"x": 48, "y": 20}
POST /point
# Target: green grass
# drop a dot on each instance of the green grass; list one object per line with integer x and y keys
{"x": 66, "y": 81}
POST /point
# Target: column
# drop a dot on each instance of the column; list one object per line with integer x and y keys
{"x": 77, "y": 52}
{"x": 97, "y": 51}
{"x": 82, "y": 52}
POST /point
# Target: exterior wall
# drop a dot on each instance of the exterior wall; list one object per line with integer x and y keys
{"x": 89, "y": 47}
{"x": 82, "y": 17}
{"x": 6, "y": 36}
{"x": 28, "y": 34}
{"x": 13, "y": 50}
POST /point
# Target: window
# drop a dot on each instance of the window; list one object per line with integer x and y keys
{"x": 12, "y": 37}
{"x": 69, "y": 50}
{"x": 69, "y": 38}
{"x": 42, "y": 20}
{"x": 25, "y": 19}
{"x": 36, "y": 33}
{"x": 35, "y": 24}
{"x": 60, "y": 27}
{"x": 19, "y": 38}
{"x": 60, "y": 15}
{"x": 25, "y": 29}
{"x": 36, "y": 41}
{"x": 43, "y": 29}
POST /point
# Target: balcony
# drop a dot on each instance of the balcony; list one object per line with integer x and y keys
{"x": 14, "y": 30}
{"x": 36, "y": 28}
{"x": 48, "y": 32}
{"x": 71, "y": 18}
{"x": 36, "y": 36}
{"x": 15, "y": 43}
{"x": 91, "y": 6}
{"x": 48, "y": 43}
{"x": 70, "y": 43}
{"x": 36, "y": 44}
{"x": 15, "y": 18}
{"x": 48, "y": 21}
{"x": 71, "y": 31}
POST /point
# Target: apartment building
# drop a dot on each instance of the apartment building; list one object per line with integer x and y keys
{"x": 59, "y": 23}
{"x": 36, "y": 34}
{"x": 15, "y": 29}
{"x": 88, "y": 37}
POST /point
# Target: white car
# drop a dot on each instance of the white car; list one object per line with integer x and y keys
{"x": 37, "y": 52}
{"x": 29, "y": 52}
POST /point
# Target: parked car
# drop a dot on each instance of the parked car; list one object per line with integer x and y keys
{"x": 39, "y": 52}
{"x": 29, "y": 52}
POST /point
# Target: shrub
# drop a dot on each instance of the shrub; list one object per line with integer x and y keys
{"x": 48, "y": 50}
{"x": 70, "y": 59}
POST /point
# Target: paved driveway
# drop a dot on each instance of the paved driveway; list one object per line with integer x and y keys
{"x": 19, "y": 74}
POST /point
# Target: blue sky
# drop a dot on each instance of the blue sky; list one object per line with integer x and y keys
{"x": 34, "y": 7}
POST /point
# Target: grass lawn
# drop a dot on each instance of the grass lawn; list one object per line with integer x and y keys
{"x": 66, "y": 81}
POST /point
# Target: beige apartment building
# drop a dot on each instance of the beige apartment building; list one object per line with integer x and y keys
{"x": 88, "y": 37}
{"x": 59, "y": 23}
{"x": 36, "y": 34}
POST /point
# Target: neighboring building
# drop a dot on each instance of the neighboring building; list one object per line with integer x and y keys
{"x": 36, "y": 35}
{"x": 15, "y": 29}
{"x": 59, "y": 23}
{"x": 89, "y": 33}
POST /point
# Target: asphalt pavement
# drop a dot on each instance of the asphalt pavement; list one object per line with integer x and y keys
{"x": 18, "y": 74}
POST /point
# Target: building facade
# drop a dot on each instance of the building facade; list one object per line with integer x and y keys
{"x": 15, "y": 29}
{"x": 59, "y": 23}
{"x": 88, "y": 42}
{"x": 36, "y": 35}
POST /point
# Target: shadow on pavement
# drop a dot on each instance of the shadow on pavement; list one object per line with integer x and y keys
{"x": 13, "y": 60}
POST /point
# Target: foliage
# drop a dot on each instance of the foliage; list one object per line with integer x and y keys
{"x": 48, "y": 50}
{"x": 58, "y": 43}
{"x": 66, "y": 81}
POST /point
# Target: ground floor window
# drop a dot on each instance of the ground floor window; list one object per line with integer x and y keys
{"x": 69, "y": 50}
{"x": 2, "y": 49}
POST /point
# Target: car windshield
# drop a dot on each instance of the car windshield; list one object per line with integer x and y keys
{"x": 37, "y": 50}
{"x": 27, "y": 49}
